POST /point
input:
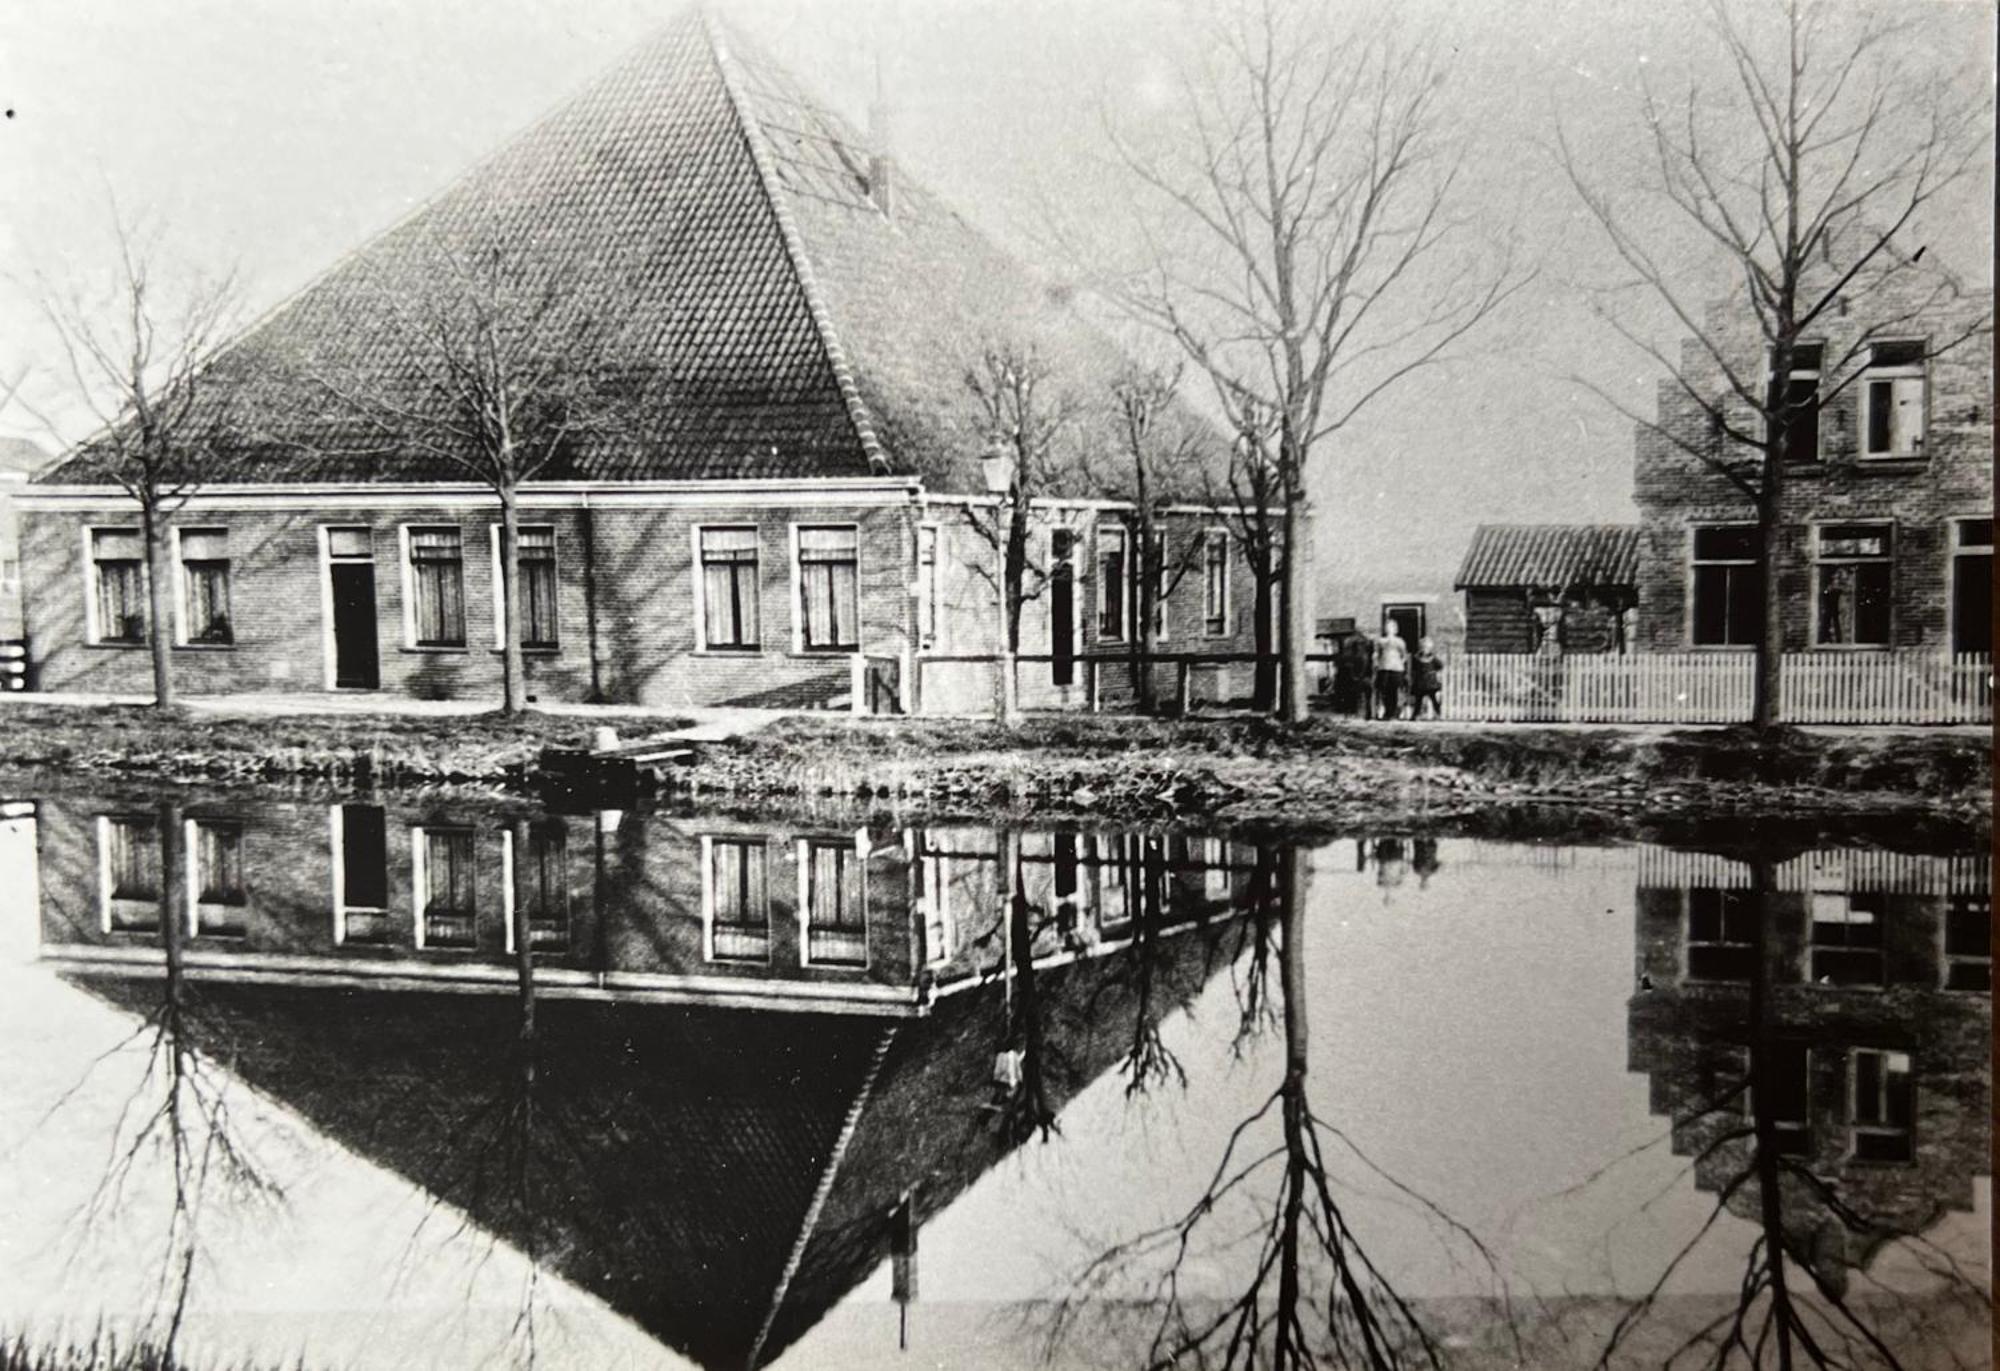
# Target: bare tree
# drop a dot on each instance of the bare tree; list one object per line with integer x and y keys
{"x": 1252, "y": 492}
{"x": 1031, "y": 425}
{"x": 1805, "y": 175}
{"x": 512, "y": 369}
{"x": 1156, "y": 461}
{"x": 138, "y": 353}
{"x": 1313, "y": 257}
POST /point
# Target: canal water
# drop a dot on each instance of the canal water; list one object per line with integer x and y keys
{"x": 431, "y": 1084}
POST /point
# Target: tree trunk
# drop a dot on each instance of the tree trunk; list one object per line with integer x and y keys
{"x": 513, "y": 668}
{"x": 1295, "y": 629}
{"x": 1264, "y": 682}
{"x": 1763, "y": 885}
{"x": 159, "y": 632}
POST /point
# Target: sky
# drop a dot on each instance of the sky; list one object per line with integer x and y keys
{"x": 271, "y": 136}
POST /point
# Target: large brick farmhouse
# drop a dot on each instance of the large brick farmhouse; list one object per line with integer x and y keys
{"x": 796, "y": 495}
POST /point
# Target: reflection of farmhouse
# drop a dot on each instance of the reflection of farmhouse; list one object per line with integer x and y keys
{"x": 794, "y": 493}
{"x": 621, "y": 1103}
{"x": 1876, "y": 969}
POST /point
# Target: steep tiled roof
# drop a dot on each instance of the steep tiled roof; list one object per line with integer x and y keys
{"x": 782, "y": 316}
{"x": 1551, "y": 556}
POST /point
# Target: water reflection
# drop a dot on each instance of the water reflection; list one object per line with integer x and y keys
{"x": 718, "y": 1072}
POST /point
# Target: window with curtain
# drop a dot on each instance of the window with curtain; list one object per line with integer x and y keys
{"x": 449, "y": 886}
{"x": 729, "y": 588}
{"x": 741, "y": 930}
{"x": 836, "y": 913}
{"x": 437, "y": 586}
{"x": 118, "y": 575}
{"x": 829, "y": 565}
{"x": 536, "y": 547}
{"x": 1853, "y": 574}
{"x": 205, "y": 585}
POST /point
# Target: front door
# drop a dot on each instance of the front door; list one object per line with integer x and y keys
{"x": 356, "y": 661}
{"x": 1409, "y": 622}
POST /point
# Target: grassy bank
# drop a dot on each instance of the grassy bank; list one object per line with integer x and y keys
{"x": 1249, "y": 770}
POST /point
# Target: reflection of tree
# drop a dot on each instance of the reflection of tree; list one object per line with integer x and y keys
{"x": 1792, "y": 1305}
{"x": 1314, "y": 1295}
{"x": 175, "y": 1126}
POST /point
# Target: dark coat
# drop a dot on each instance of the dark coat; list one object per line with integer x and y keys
{"x": 1426, "y": 673}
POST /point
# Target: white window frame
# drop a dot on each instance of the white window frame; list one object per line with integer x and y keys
{"x": 1162, "y": 620}
{"x": 499, "y": 589}
{"x": 191, "y": 874}
{"x": 1107, "y": 534}
{"x": 699, "y": 589}
{"x": 92, "y": 622}
{"x": 1948, "y": 960}
{"x": 1818, "y": 560}
{"x": 1209, "y": 537}
{"x": 803, "y": 856}
{"x": 930, "y": 545}
{"x": 1919, "y": 372}
{"x": 799, "y": 648}
{"x": 1855, "y": 1128}
{"x": 1818, "y": 376}
{"x": 409, "y": 582}
{"x": 1693, "y": 561}
{"x": 1960, "y": 548}
{"x": 337, "y": 830}
{"x": 420, "y": 888}
{"x": 327, "y": 647}
{"x": 708, "y": 900}
{"x": 938, "y": 913}
{"x": 104, "y": 822}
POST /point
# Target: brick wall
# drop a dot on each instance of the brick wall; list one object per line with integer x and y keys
{"x": 627, "y": 597}
{"x": 1921, "y": 496}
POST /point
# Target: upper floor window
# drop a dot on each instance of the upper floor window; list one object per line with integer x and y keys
{"x": 1852, "y": 572}
{"x": 535, "y": 547}
{"x": 1847, "y": 938}
{"x": 728, "y": 587}
{"x": 1215, "y": 584}
{"x": 829, "y": 606}
{"x": 1893, "y": 400}
{"x": 1112, "y": 591}
{"x": 1881, "y": 1105}
{"x": 117, "y": 585}
{"x": 436, "y": 586}
{"x": 1721, "y": 934}
{"x": 1728, "y": 591}
{"x": 1801, "y": 413}
{"x": 1968, "y": 941}
{"x": 204, "y": 567}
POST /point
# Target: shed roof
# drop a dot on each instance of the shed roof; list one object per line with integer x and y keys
{"x": 788, "y": 317}
{"x": 1551, "y": 556}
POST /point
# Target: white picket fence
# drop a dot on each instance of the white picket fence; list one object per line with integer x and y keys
{"x": 1897, "y": 687}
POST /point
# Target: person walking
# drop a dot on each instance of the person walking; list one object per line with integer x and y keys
{"x": 1426, "y": 680}
{"x": 1392, "y": 657}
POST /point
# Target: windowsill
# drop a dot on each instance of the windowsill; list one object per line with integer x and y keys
{"x": 1853, "y": 647}
{"x": 823, "y": 652}
{"x": 1813, "y": 469}
{"x": 1901, "y": 465}
{"x": 1721, "y": 647}
{"x": 204, "y": 647}
{"x": 746, "y": 651}
{"x": 439, "y": 650}
{"x": 526, "y": 651}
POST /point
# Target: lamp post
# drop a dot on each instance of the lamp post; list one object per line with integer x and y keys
{"x": 999, "y": 468}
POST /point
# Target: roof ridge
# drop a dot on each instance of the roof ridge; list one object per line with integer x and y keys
{"x": 794, "y": 244}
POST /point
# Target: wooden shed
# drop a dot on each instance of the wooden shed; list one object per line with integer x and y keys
{"x": 1536, "y": 587}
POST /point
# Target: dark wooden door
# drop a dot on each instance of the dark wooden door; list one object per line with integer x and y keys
{"x": 1062, "y": 610}
{"x": 357, "y": 663}
{"x": 1972, "y": 603}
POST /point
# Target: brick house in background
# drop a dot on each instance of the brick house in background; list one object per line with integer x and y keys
{"x": 799, "y": 495}
{"x": 1888, "y": 525}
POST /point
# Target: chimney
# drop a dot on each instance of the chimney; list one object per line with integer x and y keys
{"x": 881, "y": 149}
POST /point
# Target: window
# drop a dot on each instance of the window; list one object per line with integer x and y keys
{"x": 1852, "y": 576}
{"x": 541, "y": 884}
{"x": 927, "y": 585}
{"x": 1968, "y": 941}
{"x": 1892, "y": 401}
{"x": 1728, "y": 590}
{"x": 828, "y": 571}
{"x": 437, "y": 587}
{"x": 1721, "y": 934}
{"x": 535, "y": 546}
{"x": 1160, "y": 586}
{"x": 1215, "y": 584}
{"x": 1801, "y": 419}
{"x": 216, "y": 893}
{"x": 835, "y": 904}
{"x": 118, "y": 585}
{"x": 1112, "y": 591}
{"x": 1847, "y": 938}
{"x": 739, "y": 912}
{"x": 1972, "y": 585}
{"x": 447, "y": 893}
{"x": 360, "y": 875}
{"x": 1881, "y": 1105}
{"x": 728, "y": 588}
{"x": 128, "y": 855}
{"x": 1789, "y": 1099}
{"x": 204, "y": 562}
{"x": 940, "y": 929}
